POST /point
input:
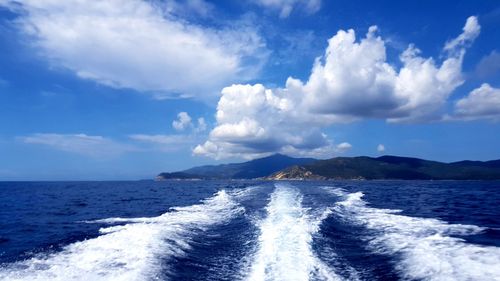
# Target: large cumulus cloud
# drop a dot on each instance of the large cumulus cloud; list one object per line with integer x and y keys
{"x": 352, "y": 81}
{"x": 253, "y": 121}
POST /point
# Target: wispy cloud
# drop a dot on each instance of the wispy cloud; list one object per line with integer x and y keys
{"x": 186, "y": 8}
{"x": 162, "y": 139}
{"x": 165, "y": 143}
{"x": 141, "y": 45}
{"x": 286, "y": 7}
{"x": 103, "y": 147}
{"x": 94, "y": 146}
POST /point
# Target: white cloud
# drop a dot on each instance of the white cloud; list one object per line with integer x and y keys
{"x": 183, "y": 121}
{"x": 285, "y": 7}
{"x": 352, "y": 81}
{"x": 99, "y": 146}
{"x": 202, "y": 125}
{"x": 161, "y": 139}
{"x": 481, "y": 103}
{"x": 380, "y": 148}
{"x": 470, "y": 33}
{"x": 254, "y": 121}
{"x": 164, "y": 143}
{"x": 343, "y": 147}
{"x": 356, "y": 81}
{"x": 94, "y": 146}
{"x": 199, "y": 8}
{"x": 140, "y": 45}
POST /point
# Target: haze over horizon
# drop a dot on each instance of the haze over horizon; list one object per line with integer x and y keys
{"x": 125, "y": 89}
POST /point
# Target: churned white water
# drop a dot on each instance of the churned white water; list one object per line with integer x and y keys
{"x": 286, "y": 242}
{"x": 284, "y": 245}
{"x": 133, "y": 251}
{"x": 425, "y": 248}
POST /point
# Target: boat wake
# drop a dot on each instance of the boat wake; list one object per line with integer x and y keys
{"x": 285, "y": 238}
{"x": 425, "y": 248}
{"x": 136, "y": 250}
{"x": 284, "y": 249}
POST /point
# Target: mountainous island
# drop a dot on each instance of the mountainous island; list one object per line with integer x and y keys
{"x": 282, "y": 167}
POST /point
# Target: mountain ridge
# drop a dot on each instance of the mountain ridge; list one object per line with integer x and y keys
{"x": 256, "y": 168}
{"x": 403, "y": 168}
{"x": 282, "y": 167}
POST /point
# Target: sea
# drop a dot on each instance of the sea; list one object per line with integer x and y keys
{"x": 250, "y": 230}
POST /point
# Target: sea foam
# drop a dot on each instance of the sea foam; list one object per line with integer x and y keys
{"x": 136, "y": 250}
{"x": 284, "y": 250}
{"x": 424, "y": 248}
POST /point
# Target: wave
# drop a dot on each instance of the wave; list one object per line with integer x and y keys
{"x": 246, "y": 192}
{"x": 134, "y": 251}
{"x": 425, "y": 248}
{"x": 284, "y": 250}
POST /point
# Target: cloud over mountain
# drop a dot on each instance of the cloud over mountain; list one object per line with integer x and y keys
{"x": 353, "y": 80}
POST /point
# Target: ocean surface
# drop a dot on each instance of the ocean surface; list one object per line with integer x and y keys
{"x": 249, "y": 230}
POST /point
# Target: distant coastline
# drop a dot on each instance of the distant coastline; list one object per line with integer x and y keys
{"x": 282, "y": 167}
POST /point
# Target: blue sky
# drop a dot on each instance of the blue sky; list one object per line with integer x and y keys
{"x": 125, "y": 89}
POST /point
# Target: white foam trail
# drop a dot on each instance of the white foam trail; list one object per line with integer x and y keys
{"x": 245, "y": 192}
{"x": 134, "y": 251}
{"x": 284, "y": 245}
{"x": 424, "y": 246}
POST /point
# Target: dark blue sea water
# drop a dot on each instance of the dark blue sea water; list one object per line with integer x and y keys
{"x": 248, "y": 230}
